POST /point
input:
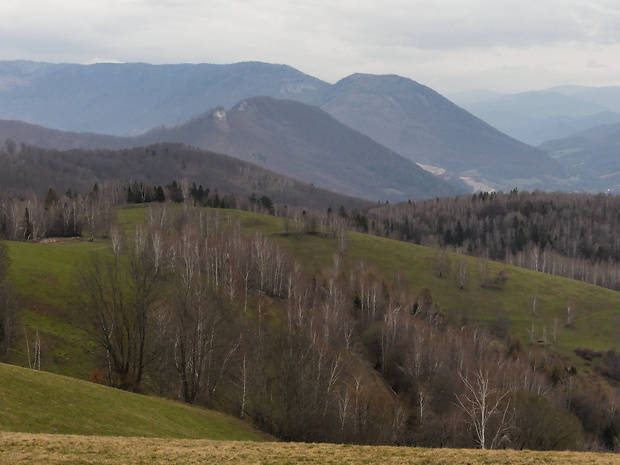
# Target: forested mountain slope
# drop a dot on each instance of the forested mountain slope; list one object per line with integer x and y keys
{"x": 595, "y": 152}
{"x": 568, "y": 234}
{"x": 37, "y": 170}
{"x": 15, "y": 133}
{"x": 306, "y": 143}
{"x": 423, "y": 126}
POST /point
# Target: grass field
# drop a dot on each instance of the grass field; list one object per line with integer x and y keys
{"x": 20, "y": 448}
{"x": 597, "y": 309}
{"x": 38, "y": 402}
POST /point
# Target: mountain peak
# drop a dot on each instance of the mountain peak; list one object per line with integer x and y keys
{"x": 304, "y": 142}
{"x": 378, "y": 81}
{"x": 418, "y": 123}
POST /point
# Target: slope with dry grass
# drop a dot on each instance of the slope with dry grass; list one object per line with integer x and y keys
{"x": 20, "y": 448}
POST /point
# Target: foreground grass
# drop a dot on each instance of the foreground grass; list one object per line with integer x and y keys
{"x": 20, "y": 448}
{"x": 39, "y": 402}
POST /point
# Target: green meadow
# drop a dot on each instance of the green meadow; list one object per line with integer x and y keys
{"x": 38, "y": 402}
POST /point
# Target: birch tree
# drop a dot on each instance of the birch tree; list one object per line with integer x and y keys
{"x": 484, "y": 407}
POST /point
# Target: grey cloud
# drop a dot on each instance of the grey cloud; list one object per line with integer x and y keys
{"x": 326, "y": 38}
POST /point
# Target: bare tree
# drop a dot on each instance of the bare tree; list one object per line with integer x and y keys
{"x": 555, "y": 329}
{"x": 96, "y": 209}
{"x": 531, "y": 333}
{"x": 463, "y": 272}
{"x": 570, "y": 313}
{"x": 116, "y": 239}
{"x": 119, "y": 297}
{"x": 34, "y": 361}
{"x": 14, "y": 212}
{"x": 36, "y": 218}
{"x": 444, "y": 263}
{"x": 344, "y": 407}
{"x": 482, "y": 402}
{"x": 483, "y": 271}
{"x": 157, "y": 215}
{"x": 188, "y": 312}
{"x": 535, "y": 304}
{"x": 9, "y": 306}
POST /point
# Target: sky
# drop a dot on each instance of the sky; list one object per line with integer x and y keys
{"x": 448, "y": 45}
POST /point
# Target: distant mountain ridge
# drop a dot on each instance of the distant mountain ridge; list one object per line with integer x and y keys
{"x": 39, "y": 136}
{"x": 408, "y": 118}
{"x": 425, "y": 127}
{"x": 595, "y": 152}
{"x": 284, "y": 136}
{"x": 128, "y": 99}
{"x": 538, "y": 116}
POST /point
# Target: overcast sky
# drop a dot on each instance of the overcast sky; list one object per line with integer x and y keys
{"x": 449, "y": 45}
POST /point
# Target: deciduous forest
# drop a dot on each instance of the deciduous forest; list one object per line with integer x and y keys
{"x": 567, "y": 234}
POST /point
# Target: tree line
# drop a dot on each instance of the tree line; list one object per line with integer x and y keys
{"x": 575, "y": 235}
{"x": 32, "y": 217}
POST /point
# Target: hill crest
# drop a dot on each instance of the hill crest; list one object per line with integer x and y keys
{"x": 420, "y": 124}
{"x": 304, "y": 142}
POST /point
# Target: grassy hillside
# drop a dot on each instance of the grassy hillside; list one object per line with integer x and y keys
{"x": 39, "y": 402}
{"x": 43, "y": 274}
{"x": 55, "y": 449}
{"x": 597, "y": 309}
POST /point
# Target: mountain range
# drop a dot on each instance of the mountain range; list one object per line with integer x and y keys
{"x": 304, "y": 142}
{"x": 140, "y": 103}
{"x": 129, "y": 99}
{"x": 425, "y": 127}
{"x": 285, "y": 136}
{"x": 536, "y": 117}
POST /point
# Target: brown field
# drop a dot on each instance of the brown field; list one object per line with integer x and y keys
{"x": 21, "y": 448}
